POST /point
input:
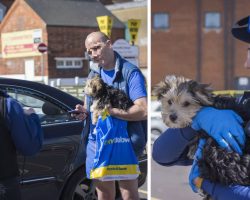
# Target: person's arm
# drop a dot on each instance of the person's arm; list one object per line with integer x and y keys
{"x": 136, "y": 112}
{"x": 171, "y": 147}
{"x": 221, "y": 192}
{"x": 25, "y": 128}
{"x": 138, "y": 94}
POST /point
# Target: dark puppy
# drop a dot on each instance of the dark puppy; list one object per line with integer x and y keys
{"x": 104, "y": 96}
{"x": 181, "y": 99}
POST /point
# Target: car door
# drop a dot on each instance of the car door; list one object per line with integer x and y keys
{"x": 43, "y": 175}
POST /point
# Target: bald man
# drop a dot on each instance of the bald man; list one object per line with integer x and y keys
{"x": 115, "y": 71}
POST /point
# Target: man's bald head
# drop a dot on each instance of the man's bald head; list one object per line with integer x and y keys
{"x": 97, "y": 36}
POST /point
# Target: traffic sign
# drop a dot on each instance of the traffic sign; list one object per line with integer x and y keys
{"x": 105, "y": 24}
{"x": 42, "y": 48}
{"x": 133, "y": 26}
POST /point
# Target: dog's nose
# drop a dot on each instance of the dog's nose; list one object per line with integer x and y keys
{"x": 173, "y": 117}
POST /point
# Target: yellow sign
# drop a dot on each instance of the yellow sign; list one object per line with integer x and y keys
{"x": 105, "y": 24}
{"x": 133, "y": 26}
{"x": 21, "y": 43}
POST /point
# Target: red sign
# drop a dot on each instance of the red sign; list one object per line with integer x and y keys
{"x": 42, "y": 48}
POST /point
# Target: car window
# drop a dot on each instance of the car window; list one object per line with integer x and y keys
{"x": 28, "y": 101}
{"x": 48, "y": 112}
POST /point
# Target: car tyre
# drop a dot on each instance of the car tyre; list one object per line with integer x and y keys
{"x": 79, "y": 187}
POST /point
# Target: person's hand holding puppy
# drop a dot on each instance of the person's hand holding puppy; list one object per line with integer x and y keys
{"x": 225, "y": 126}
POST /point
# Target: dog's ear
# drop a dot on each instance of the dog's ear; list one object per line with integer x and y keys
{"x": 160, "y": 89}
{"x": 201, "y": 92}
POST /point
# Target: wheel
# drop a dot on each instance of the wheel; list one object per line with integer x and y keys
{"x": 79, "y": 187}
{"x": 143, "y": 167}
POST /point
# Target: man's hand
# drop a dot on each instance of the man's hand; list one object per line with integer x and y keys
{"x": 194, "y": 176}
{"x": 83, "y": 112}
{"x": 225, "y": 126}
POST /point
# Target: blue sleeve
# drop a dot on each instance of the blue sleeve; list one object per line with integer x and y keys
{"x": 136, "y": 85}
{"x": 25, "y": 130}
{"x": 171, "y": 147}
{"x": 221, "y": 192}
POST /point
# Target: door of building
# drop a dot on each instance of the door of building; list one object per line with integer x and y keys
{"x": 29, "y": 69}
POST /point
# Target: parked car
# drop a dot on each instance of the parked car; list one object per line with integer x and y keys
{"x": 58, "y": 170}
{"x": 157, "y": 125}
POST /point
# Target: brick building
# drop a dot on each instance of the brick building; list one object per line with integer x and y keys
{"x": 62, "y": 25}
{"x": 193, "y": 38}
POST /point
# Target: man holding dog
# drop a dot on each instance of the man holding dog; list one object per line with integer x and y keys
{"x": 117, "y": 72}
{"x": 224, "y": 126}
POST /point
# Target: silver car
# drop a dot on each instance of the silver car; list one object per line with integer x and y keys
{"x": 157, "y": 125}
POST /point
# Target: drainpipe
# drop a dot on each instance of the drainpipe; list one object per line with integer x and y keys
{"x": 232, "y": 41}
{"x": 229, "y": 46}
{"x": 199, "y": 42}
{"x": 225, "y": 31}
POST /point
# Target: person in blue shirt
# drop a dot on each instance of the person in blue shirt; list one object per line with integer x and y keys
{"x": 115, "y": 71}
{"x": 225, "y": 126}
{"x": 20, "y": 131}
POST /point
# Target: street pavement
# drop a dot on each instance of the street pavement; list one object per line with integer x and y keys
{"x": 171, "y": 183}
{"x": 143, "y": 192}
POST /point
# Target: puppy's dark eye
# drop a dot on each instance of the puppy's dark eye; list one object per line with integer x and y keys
{"x": 169, "y": 102}
{"x": 186, "y": 104}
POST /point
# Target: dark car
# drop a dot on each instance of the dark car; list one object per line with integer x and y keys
{"x": 58, "y": 170}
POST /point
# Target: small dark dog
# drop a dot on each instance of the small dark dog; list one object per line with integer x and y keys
{"x": 181, "y": 99}
{"x": 104, "y": 96}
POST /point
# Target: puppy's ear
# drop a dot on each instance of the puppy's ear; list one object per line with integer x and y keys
{"x": 201, "y": 92}
{"x": 160, "y": 89}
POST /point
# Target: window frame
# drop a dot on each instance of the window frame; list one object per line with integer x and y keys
{"x": 15, "y": 92}
{"x": 167, "y": 25}
{"x": 65, "y": 60}
{"x": 212, "y": 26}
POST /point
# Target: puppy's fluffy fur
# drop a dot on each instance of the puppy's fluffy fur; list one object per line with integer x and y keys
{"x": 104, "y": 96}
{"x": 181, "y": 99}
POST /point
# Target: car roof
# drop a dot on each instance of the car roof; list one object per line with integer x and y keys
{"x": 43, "y": 89}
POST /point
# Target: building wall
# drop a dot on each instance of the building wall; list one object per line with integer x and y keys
{"x": 61, "y": 41}
{"x": 187, "y": 48}
{"x": 174, "y": 50}
{"x": 19, "y": 18}
{"x": 69, "y": 42}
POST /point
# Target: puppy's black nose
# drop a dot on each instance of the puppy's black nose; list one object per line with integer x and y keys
{"x": 173, "y": 117}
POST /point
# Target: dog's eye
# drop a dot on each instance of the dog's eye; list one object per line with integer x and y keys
{"x": 186, "y": 104}
{"x": 169, "y": 102}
